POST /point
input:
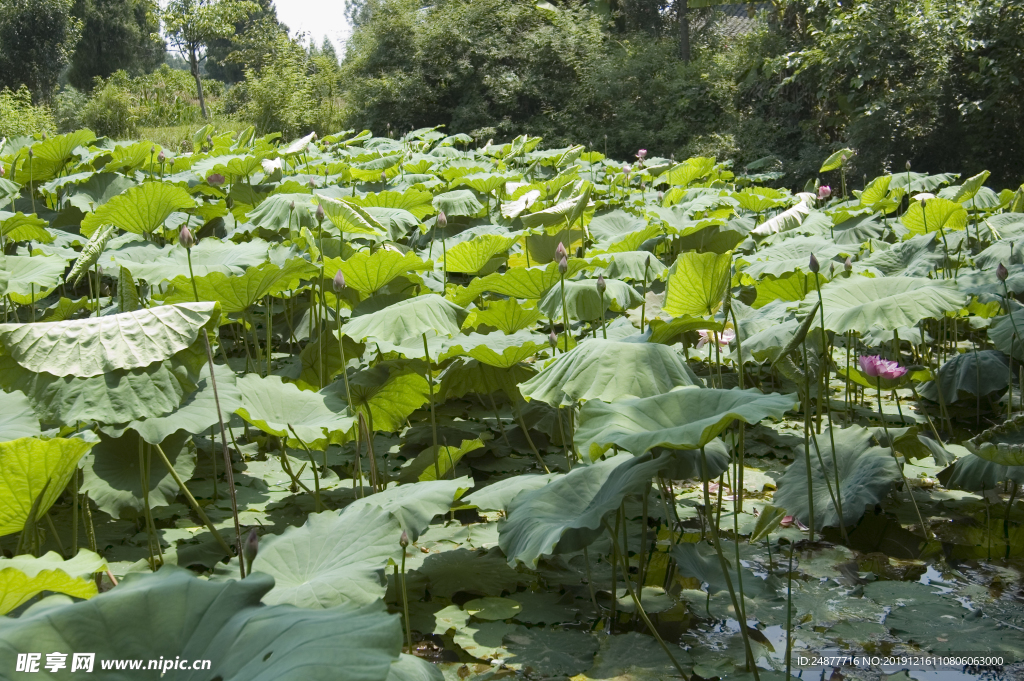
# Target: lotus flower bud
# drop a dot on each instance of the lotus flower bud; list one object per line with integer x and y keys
{"x": 442, "y": 220}
{"x": 2, "y": 171}
{"x": 209, "y": 140}
{"x": 160, "y": 157}
{"x": 813, "y": 265}
{"x": 563, "y": 265}
{"x": 1001, "y": 273}
{"x": 908, "y": 166}
{"x": 185, "y": 237}
{"x": 30, "y": 152}
{"x": 560, "y": 251}
{"x": 831, "y": 269}
{"x": 383, "y": 177}
{"x": 552, "y": 338}
{"x": 251, "y": 547}
{"x": 661, "y": 197}
{"x": 152, "y": 150}
{"x": 320, "y": 212}
{"x": 403, "y": 541}
{"x": 848, "y": 264}
{"x": 291, "y": 206}
{"x": 601, "y": 285}
{"x": 642, "y": 154}
{"x": 312, "y": 183}
{"x": 339, "y": 282}
{"x": 824, "y": 191}
{"x": 216, "y": 179}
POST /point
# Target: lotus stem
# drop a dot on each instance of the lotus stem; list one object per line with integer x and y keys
{"x": 590, "y": 582}
{"x": 192, "y": 501}
{"x": 565, "y": 313}
{"x": 892, "y": 447}
{"x": 341, "y": 350}
{"x": 74, "y": 512}
{"x": 90, "y": 529}
{"x": 526, "y": 434}
{"x": 433, "y": 419}
{"x": 1013, "y": 343}
{"x": 405, "y": 598}
{"x": 640, "y": 609}
{"x": 316, "y": 474}
{"x": 151, "y": 535}
{"x": 227, "y": 456}
{"x": 807, "y": 444}
{"x": 751, "y": 662}
{"x": 837, "y": 499}
{"x": 789, "y": 615}
{"x": 191, "y": 274}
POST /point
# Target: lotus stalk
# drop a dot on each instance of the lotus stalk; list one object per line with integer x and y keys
{"x": 403, "y": 542}
{"x": 192, "y": 501}
{"x": 877, "y": 368}
{"x": 1002, "y": 274}
{"x": 601, "y": 287}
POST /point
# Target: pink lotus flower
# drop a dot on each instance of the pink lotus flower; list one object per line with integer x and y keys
{"x": 216, "y": 179}
{"x": 789, "y": 521}
{"x": 642, "y": 154}
{"x": 824, "y": 191}
{"x": 876, "y": 367}
{"x": 723, "y": 339}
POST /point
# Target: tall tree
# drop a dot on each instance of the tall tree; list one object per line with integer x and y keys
{"x": 117, "y": 35}
{"x": 223, "y": 62}
{"x": 191, "y": 25}
{"x": 37, "y": 39}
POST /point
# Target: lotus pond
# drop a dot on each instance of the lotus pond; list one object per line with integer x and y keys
{"x": 378, "y": 409}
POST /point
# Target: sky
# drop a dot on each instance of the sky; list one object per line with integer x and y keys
{"x": 318, "y": 18}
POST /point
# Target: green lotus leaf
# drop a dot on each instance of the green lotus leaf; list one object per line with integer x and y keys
{"x": 51, "y": 156}
{"x": 414, "y": 201}
{"x": 117, "y": 397}
{"x": 496, "y": 349}
{"x": 669, "y": 331}
{"x": 277, "y": 215}
{"x": 475, "y": 254}
{"x": 976, "y": 474}
{"x": 787, "y": 256}
{"x": 700, "y": 561}
{"x": 458, "y": 202}
{"x": 967, "y": 376}
{"x": 112, "y": 475}
{"x": 1006, "y": 334}
{"x": 486, "y": 183}
{"x": 521, "y": 282}
{"x": 760, "y": 199}
{"x": 507, "y": 316}
{"x": 21, "y": 227}
{"x": 198, "y": 413}
{"x": 24, "y": 577}
{"x": 999, "y": 453}
{"x": 238, "y": 293}
{"x": 566, "y": 515}
{"x": 464, "y": 375}
{"x": 435, "y": 463}
{"x": 369, "y": 272}
{"x": 915, "y": 257}
{"x": 25, "y": 274}
{"x": 34, "y": 472}
{"x": 584, "y": 302}
{"x": 866, "y": 474}
{"x": 836, "y": 160}
{"x": 696, "y": 283}
{"x": 208, "y": 256}
{"x": 633, "y": 266}
{"x": 350, "y": 218}
{"x": 141, "y": 209}
{"x": 608, "y": 370}
{"x": 682, "y": 419}
{"x": 498, "y": 495}
{"x": 550, "y": 652}
{"x": 386, "y": 394}
{"x": 416, "y": 504}
{"x": 862, "y": 304}
{"x": 332, "y": 561}
{"x": 936, "y": 215}
{"x": 791, "y": 286}
{"x": 397, "y": 222}
{"x": 17, "y": 418}
{"x": 412, "y": 668}
{"x": 564, "y": 213}
{"x": 96, "y": 346}
{"x": 272, "y": 406}
{"x": 220, "y": 621}
{"x": 408, "y": 320}
{"x": 97, "y": 190}
{"x": 479, "y": 572}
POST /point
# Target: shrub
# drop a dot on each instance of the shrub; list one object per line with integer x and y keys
{"x": 111, "y": 110}
{"x": 18, "y": 116}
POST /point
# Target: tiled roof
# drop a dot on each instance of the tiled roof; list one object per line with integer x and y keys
{"x": 733, "y": 19}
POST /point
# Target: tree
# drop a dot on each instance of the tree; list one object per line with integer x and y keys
{"x": 37, "y": 39}
{"x": 191, "y": 25}
{"x": 118, "y": 35}
{"x": 260, "y": 26}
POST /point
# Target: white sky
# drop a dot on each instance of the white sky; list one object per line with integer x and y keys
{"x": 318, "y": 18}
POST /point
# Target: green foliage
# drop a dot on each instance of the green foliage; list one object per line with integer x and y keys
{"x": 37, "y": 40}
{"x": 117, "y": 35}
{"x": 18, "y": 116}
